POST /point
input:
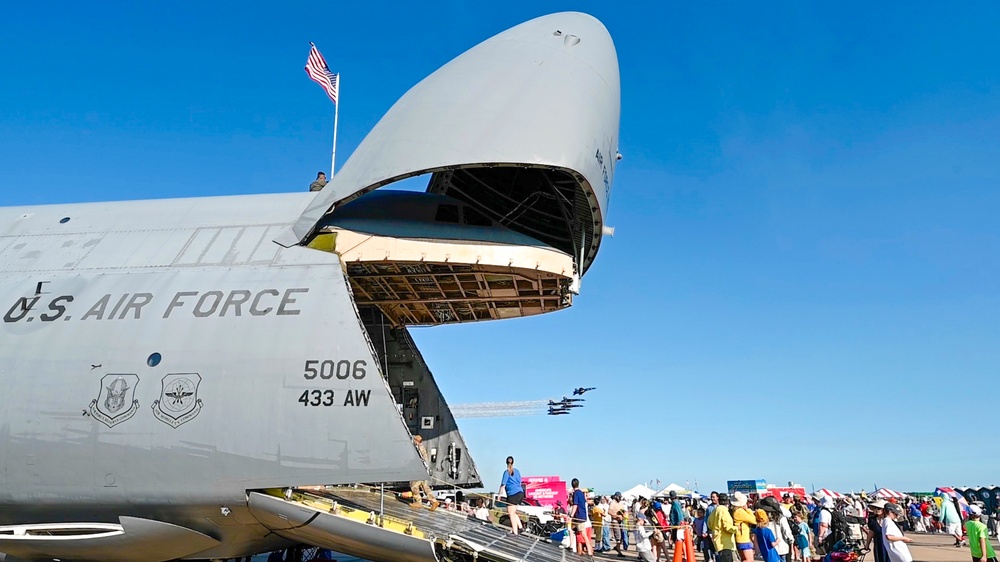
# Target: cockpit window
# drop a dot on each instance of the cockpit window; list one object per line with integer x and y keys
{"x": 447, "y": 213}
{"x": 475, "y": 218}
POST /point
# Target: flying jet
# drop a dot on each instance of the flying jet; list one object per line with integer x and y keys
{"x": 568, "y": 400}
{"x": 581, "y": 390}
{"x": 558, "y": 412}
{"x": 170, "y": 385}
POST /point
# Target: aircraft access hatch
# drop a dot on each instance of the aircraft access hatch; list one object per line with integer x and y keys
{"x": 366, "y": 523}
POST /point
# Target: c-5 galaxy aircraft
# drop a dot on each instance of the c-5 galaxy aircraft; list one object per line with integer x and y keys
{"x": 174, "y": 370}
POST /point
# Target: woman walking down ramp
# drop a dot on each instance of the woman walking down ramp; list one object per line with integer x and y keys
{"x": 510, "y": 484}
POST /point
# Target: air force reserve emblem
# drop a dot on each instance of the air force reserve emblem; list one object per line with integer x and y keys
{"x": 178, "y": 403}
{"x": 116, "y": 402}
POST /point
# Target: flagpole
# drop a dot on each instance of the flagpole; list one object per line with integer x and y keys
{"x": 336, "y": 112}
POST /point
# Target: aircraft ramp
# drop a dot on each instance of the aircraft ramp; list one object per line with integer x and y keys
{"x": 348, "y": 520}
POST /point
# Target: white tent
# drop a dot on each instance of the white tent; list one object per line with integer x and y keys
{"x": 671, "y": 488}
{"x": 637, "y": 491}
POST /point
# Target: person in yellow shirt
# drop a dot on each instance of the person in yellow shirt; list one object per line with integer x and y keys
{"x": 743, "y": 518}
{"x": 720, "y": 524}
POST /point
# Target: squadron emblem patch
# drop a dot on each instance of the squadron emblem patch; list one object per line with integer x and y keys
{"x": 178, "y": 403}
{"x": 116, "y": 402}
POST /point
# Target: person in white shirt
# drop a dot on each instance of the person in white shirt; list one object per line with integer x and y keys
{"x": 642, "y": 545}
{"x": 604, "y": 541}
{"x": 481, "y": 512}
{"x": 782, "y": 534}
{"x": 892, "y": 537}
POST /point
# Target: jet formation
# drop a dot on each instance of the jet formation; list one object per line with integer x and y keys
{"x": 565, "y": 406}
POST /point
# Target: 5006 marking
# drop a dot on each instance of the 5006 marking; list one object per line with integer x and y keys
{"x": 327, "y": 369}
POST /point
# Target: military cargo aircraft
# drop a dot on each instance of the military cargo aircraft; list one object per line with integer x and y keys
{"x": 174, "y": 371}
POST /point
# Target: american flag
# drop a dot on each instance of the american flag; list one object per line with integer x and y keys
{"x": 320, "y": 73}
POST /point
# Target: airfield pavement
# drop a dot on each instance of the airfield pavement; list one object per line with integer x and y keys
{"x": 924, "y": 548}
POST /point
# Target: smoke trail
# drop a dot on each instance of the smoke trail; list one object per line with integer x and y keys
{"x": 499, "y": 409}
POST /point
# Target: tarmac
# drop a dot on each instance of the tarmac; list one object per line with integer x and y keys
{"x": 924, "y": 548}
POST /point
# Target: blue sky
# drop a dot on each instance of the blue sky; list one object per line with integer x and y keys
{"x": 803, "y": 282}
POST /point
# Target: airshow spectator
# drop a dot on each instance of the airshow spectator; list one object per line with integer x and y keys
{"x": 801, "y": 530}
{"x": 642, "y": 544}
{"x": 604, "y": 536}
{"x": 713, "y": 503}
{"x": 979, "y": 537}
{"x": 895, "y": 542}
{"x": 723, "y": 531}
{"x": 927, "y": 515}
{"x": 916, "y": 517}
{"x": 824, "y": 518}
{"x": 778, "y": 523}
{"x": 481, "y": 512}
{"x": 581, "y": 520}
{"x": 703, "y": 542}
{"x": 766, "y": 540}
{"x": 951, "y": 520}
{"x": 873, "y": 540}
{"x": 510, "y": 484}
{"x": 676, "y": 515}
{"x": 617, "y": 510}
{"x": 743, "y": 518}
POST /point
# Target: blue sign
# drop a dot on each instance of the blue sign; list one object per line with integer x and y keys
{"x": 747, "y": 486}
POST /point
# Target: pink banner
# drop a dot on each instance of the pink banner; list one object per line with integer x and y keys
{"x": 545, "y": 493}
{"x": 529, "y": 480}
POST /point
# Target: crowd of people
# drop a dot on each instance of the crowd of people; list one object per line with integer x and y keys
{"x": 740, "y": 527}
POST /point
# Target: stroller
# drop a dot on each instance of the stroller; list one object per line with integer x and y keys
{"x": 847, "y": 550}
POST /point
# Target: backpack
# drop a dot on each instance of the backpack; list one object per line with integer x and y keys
{"x": 838, "y": 530}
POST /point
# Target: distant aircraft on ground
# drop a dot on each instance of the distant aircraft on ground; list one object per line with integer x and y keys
{"x": 581, "y": 390}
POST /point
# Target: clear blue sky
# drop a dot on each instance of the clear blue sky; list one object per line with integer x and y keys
{"x": 803, "y": 283}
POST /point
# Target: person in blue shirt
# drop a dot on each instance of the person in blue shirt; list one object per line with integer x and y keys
{"x": 510, "y": 484}
{"x": 581, "y": 520}
{"x": 766, "y": 540}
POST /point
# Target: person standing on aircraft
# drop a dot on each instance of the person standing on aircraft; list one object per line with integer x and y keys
{"x": 320, "y": 182}
{"x": 417, "y": 486}
{"x": 510, "y": 484}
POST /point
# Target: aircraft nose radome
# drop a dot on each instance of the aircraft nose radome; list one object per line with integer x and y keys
{"x": 580, "y": 34}
{"x": 543, "y": 95}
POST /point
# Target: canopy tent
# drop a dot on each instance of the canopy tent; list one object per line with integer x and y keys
{"x": 672, "y": 488}
{"x": 640, "y": 490}
{"x": 951, "y": 493}
{"x": 886, "y": 493}
{"x": 830, "y": 493}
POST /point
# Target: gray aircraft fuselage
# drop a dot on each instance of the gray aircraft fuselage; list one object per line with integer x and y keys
{"x": 163, "y": 360}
